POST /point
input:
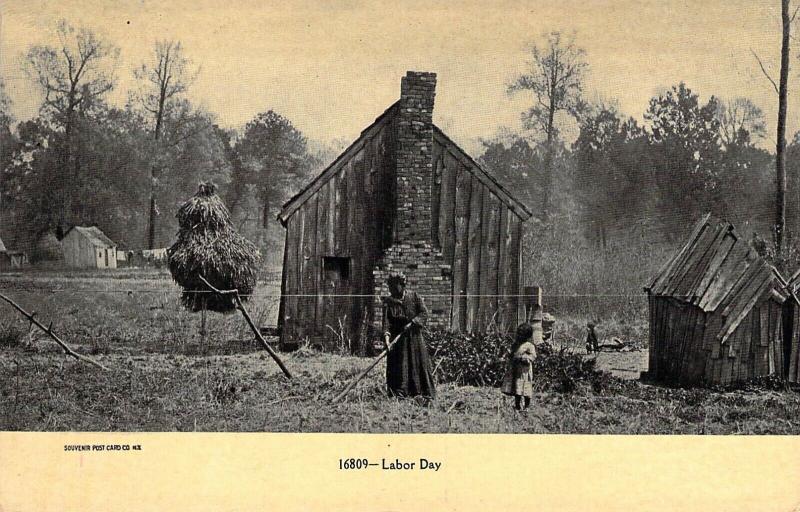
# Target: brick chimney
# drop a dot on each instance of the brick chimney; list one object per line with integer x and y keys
{"x": 414, "y": 150}
{"x": 413, "y": 251}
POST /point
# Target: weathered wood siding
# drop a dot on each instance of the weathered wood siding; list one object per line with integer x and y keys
{"x": 793, "y": 339}
{"x": 349, "y": 212}
{"x": 480, "y": 236}
{"x": 80, "y": 252}
{"x": 347, "y": 216}
{"x": 754, "y": 350}
{"x": 685, "y": 348}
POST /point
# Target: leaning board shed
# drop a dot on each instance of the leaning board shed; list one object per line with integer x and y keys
{"x": 719, "y": 313}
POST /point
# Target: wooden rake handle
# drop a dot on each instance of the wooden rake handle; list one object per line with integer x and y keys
{"x": 371, "y": 366}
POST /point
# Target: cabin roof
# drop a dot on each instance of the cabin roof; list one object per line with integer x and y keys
{"x": 718, "y": 271}
{"x": 94, "y": 235}
{"x": 439, "y": 136}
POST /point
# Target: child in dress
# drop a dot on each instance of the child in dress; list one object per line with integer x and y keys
{"x": 518, "y": 380}
{"x": 591, "y": 338}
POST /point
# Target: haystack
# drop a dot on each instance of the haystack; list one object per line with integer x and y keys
{"x": 208, "y": 245}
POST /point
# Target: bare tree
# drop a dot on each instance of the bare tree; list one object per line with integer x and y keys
{"x": 780, "y": 146}
{"x": 555, "y": 79}
{"x": 163, "y": 82}
{"x": 740, "y": 122}
{"x": 72, "y": 77}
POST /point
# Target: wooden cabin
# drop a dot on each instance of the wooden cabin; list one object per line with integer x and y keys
{"x": 88, "y": 247}
{"x": 719, "y": 313}
{"x": 11, "y": 259}
{"x": 793, "y": 313}
{"x": 402, "y": 197}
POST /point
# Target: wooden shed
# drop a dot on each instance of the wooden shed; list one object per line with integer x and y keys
{"x": 402, "y": 197}
{"x": 11, "y": 259}
{"x": 793, "y": 365}
{"x": 88, "y": 247}
{"x": 719, "y": 314}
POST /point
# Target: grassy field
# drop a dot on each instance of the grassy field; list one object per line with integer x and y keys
{"x": 165, "y": 377}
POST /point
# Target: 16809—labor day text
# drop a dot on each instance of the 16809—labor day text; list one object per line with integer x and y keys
{"x": 391, "y": 464}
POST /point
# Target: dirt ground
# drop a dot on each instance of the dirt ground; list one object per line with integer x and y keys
{"x": 246, "y": 392}
{"x": 165, "y": 377}
{"x": 625, "y": 365}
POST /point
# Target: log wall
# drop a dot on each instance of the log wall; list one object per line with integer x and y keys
{"x": 480, "y": 236}
{"x": 346, "y": 216}
{"x": 349, "y": 212}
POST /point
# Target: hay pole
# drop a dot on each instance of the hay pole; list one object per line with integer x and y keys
{"x": 49, "y": 331}
{"x": 371, "y": 366}
{"x": 246, "y": 315}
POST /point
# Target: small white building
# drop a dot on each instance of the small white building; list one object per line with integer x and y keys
{"x": 88, "y": 247}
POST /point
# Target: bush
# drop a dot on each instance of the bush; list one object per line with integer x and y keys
{"x": 469, "y": 359}
{"x": 564, "y": 372}
{"x": 47, "y": 248}
{"x": 481, "y": 360}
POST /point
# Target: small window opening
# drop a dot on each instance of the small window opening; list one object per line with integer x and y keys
{"x": 338, "y": 265}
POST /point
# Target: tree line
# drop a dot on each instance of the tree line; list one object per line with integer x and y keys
{"x": 83, "y": 161}
{"x": 623, "y": 182}
{"x": 620, "y": 181}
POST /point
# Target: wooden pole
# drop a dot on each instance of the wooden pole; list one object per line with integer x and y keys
{"x": 49, "y": 332}
{"x": 203, "y": 320}
{"x": 370, "y": 367}
{"x": 252, "y": 325}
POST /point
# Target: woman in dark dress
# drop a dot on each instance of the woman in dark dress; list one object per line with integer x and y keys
{"x": 408, "y": 366}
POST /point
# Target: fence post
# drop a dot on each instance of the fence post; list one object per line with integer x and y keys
{"x": 533, "y": 297}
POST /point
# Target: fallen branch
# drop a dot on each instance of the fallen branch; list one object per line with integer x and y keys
{"x": 457, "y": 403}
{"x": 279, "y": 400}
{"x": 49, "y": 332}
{"x": 371, "y": 366}
{"x": 252, "y": 325}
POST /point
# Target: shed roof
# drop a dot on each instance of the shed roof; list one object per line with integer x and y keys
{"x": 718, "y": 271}
{"x": 476, "y": 169}
{"x": 94, "y": 235}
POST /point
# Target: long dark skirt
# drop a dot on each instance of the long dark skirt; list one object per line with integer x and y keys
{"x": 408, "y": 368}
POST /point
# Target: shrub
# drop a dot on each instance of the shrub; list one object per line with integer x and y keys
{"x": 564, "y": 371}
{"x": 481, "y": 360}
{"x": 469, "y": 359}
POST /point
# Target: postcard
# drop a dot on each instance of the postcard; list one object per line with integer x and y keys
{"x": 379, "y": 255}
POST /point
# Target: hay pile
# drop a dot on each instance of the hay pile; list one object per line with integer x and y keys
{"x": 208, "y": 245}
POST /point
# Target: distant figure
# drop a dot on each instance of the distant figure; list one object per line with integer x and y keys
{"x": 759, "y": 244}
{"x": 518, "y": 380}
{"x": 408, "y": 366}
{"x": 592, "y": 344}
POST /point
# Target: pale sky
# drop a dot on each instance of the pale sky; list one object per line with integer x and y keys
{"x": 332, "y": 67}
